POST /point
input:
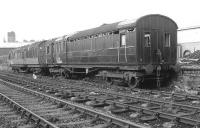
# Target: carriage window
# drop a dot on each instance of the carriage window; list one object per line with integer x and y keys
{"x": 57, "y": 48}
{"x": 64, "y": 43}
{"x": 167, "y": 40}
{"x": 116, "y": 32}
{"x": 22, "y": 55}
{"x": 47, "y": 49}
{"x": 147, "y": 39}
{"x": 130, "y": 29}
{"x": 123, "y": 40}
{"x": 60, "y": 44}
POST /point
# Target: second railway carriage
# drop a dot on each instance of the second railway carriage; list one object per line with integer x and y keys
{"x": 131, "y": 50}
{"x": 29, "y": 57}
{"x": 17, "y": 58}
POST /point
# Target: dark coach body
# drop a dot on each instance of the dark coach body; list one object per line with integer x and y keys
{"x": 130, "y": 50}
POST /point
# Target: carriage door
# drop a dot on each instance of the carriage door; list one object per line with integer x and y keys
{"x": 122, "y": 57}
{"x": 42, "y": 54}
{"x": 147, "y": 46}
{"x": 156, "y": 47}
{"x": 52, "y": 53}
{"x": 152, "y": 51}
{"x": 23, "y": 57}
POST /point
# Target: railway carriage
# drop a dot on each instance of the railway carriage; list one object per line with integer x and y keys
{"x": 17, "y": 58}
{"x": 131, "y": 50}
{"x": 28, "y": 58}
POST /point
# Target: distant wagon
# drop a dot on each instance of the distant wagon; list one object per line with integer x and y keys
{"x": 130, "y": 51}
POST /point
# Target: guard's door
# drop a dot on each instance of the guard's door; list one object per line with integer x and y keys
{"x": 156, "y": 47}
{"x": 147, "y": 47}
{"x": 151, "y": 47}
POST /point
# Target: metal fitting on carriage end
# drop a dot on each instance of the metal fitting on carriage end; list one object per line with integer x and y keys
{"x": 149, "y": 68}
{"x": 129, "y": 75}
{"x": 176, "y": 68}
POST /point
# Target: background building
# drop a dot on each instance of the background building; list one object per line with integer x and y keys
{"x": 6, "y": 47}
{"x": 188, "y": 40}
{"x": 11, "y": 36}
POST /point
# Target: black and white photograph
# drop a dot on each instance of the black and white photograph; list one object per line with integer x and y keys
{"x": 99, "y": 64}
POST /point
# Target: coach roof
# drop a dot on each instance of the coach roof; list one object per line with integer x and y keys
{"x": 103, "y": 29}
{"x": 112, "y": 27}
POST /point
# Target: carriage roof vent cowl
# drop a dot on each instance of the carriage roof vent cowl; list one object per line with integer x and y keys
{"x": 126, "y": 23}
{"x": 103, "y": 24}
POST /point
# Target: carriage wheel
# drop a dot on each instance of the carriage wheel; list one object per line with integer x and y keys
{"x": 134, "y": 82}
{"x": 68, "y": 75}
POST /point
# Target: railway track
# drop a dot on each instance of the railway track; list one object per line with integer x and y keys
{"x": 56, "y": 112}
{"x": 9, "y": 118}
{"x": 17, "y": 115}
{"x": 178, "y": 99}
{"x": 136, "y": 108}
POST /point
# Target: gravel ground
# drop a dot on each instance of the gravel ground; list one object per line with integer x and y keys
{"x": 142, "y": 94}
{"x": 59, "y": 116}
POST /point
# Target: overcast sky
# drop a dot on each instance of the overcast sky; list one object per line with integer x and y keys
{"x": 44, "y": 19}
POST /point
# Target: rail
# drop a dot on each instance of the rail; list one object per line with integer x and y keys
{"x": 103, "y": 116}
{"x": 30, "y": 114}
